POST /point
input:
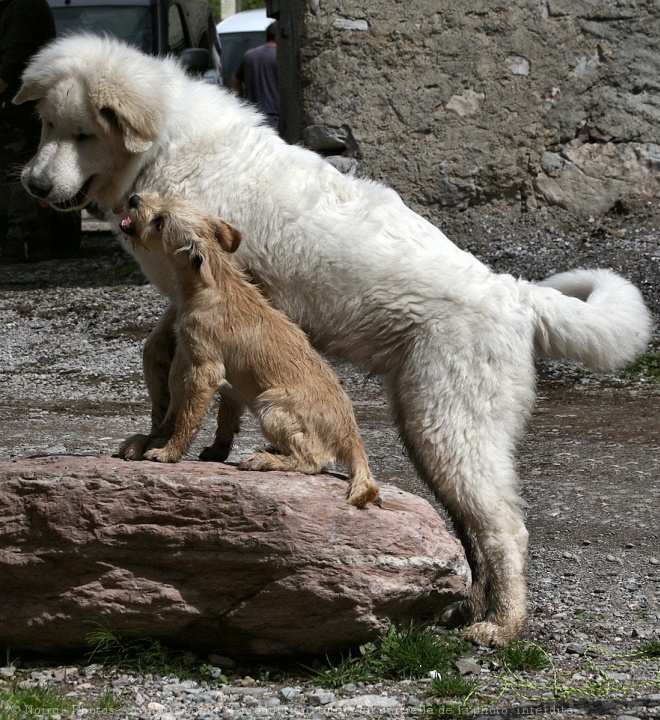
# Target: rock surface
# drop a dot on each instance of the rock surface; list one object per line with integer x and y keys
{"x": 204, "y": 555}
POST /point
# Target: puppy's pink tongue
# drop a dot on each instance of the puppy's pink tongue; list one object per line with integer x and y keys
{"x": 126, "y": 224}
{"x": 43, "y": 203}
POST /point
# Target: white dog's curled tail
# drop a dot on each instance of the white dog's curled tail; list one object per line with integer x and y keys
{"x": 593, "y": 316}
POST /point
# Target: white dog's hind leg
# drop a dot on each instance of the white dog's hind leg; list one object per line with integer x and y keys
{"x": 459, "y": 422}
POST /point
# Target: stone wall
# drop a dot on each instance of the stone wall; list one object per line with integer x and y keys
{"x": 465, "y": 102}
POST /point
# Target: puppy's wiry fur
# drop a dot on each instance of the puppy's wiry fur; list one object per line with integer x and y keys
{"x": 230, "y": 339}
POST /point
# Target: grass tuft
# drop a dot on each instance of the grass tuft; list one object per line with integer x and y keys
{"x": 28, "y": 703}
{"x": 646, "y": 366}
{"x": 143, "y": 655}
{"x": 650, "y": 649}
{"x": 523, "y": 657}
{"x": 403, "y": 653}
{"x": 108, "y": 702}
{"x": 410, "y": 652}
{"x": 453, "y": 685}
{"x": 347, "y": 670}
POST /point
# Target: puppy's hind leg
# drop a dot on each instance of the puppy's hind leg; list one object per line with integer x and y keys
{"x": 297, "y": 450}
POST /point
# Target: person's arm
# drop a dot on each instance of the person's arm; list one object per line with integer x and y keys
{"x": 238, "y": 78}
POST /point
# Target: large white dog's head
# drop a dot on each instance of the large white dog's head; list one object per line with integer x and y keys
{"x": 102, "y": 107}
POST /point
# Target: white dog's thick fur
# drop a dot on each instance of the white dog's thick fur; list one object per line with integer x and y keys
{"x": 368, "y": 279}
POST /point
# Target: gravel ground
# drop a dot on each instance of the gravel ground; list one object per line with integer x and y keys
{"x": 71, "y": 382}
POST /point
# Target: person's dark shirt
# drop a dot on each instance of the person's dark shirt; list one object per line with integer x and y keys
{"x": 258, "y": 75}
{"x": 25, "y": 26}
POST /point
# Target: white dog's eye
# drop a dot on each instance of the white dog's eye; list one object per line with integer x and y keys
{"x": 80, "y": 137}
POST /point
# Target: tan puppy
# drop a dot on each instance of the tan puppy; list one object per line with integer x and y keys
{"x": 230, "y": 339}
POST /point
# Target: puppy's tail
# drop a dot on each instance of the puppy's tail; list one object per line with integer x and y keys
{"x": 593, "y": 316}
{"x": 363, "y": 489}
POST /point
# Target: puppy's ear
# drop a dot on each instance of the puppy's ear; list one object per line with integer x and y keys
{"x": 200, "y": 262}
{"x": 227, "y": 235}
{"x": 126, "y": 110}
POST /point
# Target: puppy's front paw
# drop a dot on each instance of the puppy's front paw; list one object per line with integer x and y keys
{"x": 166, "y": 454}
{"x": 133, "y": 447}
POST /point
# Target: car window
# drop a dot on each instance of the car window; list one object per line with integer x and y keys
{"x": 176, "y": 35}
{"x": 131, "y": 24}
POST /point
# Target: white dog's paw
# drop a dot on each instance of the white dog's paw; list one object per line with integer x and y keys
{"x": 216, "y": 452}
{"x": 489, "y": 634}
{"x": 133, "y": 447}
{"x": 455, "y": 615}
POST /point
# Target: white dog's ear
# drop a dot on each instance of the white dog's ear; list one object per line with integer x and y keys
{"x": 228, "y": 237}
{"x": 30, "y": 90}
{"x": 123, "y": 109}
{"x": 38, "y": 77}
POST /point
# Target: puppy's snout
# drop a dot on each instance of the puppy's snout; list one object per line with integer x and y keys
{"x": 133, "y": 201}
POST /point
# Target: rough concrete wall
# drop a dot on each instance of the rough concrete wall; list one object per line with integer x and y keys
{"x": 463, "y": 102}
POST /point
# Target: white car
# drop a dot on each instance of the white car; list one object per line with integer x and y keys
{"x": 239, "y": 33}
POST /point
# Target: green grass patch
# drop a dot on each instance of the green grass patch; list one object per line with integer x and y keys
{"x": 108, "y": 702}
{"x": 403, "y": 653}
{"x": 18, "y": 704}
{"x": 347, "y": 670}
{"x": 523, "y": 657}
{"x": 650, "y": 649}
{"x": 453, "y": 685}
{"x": 647, "y": 367}
{"x": 410, "y": 652}
{"x": 143, "y": 655}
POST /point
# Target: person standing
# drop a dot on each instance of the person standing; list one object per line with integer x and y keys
{"x": 25, "y": 26}
{"x": 256, "y": 77}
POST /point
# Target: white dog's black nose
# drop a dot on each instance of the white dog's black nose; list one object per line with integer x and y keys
{"x": 133, "y": 201}
{"x": 38, "y": 190}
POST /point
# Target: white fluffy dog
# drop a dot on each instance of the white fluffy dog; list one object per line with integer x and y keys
{"x": 368, "y": 279}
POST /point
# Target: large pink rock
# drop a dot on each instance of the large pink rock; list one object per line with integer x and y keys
{"x": 205, "y": 556}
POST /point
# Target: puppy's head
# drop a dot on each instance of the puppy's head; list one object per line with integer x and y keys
{"x": 181, "y": 229}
